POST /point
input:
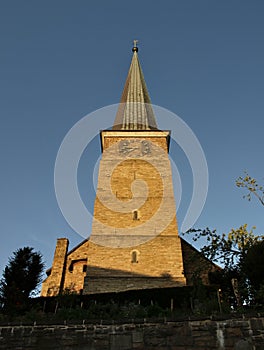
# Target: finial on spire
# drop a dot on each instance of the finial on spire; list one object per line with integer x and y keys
{"x": 135, "y": 48}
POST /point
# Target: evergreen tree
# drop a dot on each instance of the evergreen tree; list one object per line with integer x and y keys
{"x": 21, "y": 277}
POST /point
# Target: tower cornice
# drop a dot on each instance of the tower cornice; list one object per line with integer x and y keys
{"x": 143, "y": 134}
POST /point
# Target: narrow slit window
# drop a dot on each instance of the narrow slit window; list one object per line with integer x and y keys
{"x": 134, "y": 257}
{"x": 135, "y": 215}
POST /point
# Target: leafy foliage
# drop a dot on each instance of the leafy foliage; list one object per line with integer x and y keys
{"x": 235, "y": 251}
{"x": 21, "y": 277}
{"x": 226, "y": 249}
{"x": 252, "y": 186}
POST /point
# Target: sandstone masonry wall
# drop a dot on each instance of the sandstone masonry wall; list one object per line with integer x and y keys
{"x": 235, "y": 334}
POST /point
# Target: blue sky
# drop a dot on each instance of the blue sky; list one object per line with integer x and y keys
{"x": 61, "y": 60}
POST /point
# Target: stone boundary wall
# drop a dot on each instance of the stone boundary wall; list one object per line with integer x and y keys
{"x": 238, "y": 334}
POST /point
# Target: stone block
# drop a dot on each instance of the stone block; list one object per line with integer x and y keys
{"x": 120, "y": 342}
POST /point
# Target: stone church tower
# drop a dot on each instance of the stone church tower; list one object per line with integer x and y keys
{"x": 134, "y": 243}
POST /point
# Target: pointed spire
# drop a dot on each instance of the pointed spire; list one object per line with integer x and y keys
{"x": 135, "y": 111}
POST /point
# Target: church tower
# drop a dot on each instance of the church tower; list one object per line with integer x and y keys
{"x": 134, "y": 243}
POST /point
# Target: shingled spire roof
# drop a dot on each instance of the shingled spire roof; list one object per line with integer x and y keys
{"x": 135, "y": 110}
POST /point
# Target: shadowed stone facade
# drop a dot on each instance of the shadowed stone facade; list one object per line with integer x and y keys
{"x": 79, "y": 276}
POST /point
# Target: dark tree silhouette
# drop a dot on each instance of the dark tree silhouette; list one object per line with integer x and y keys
{"x": 21, "y": 277}
{"x": 240, "y": 252}
{"x": 252, "y": 264}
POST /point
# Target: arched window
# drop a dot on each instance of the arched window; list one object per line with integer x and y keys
{"x": 78, "y": 265}
{"x": 135, "y": 215}
{"x": 134, "y": 257}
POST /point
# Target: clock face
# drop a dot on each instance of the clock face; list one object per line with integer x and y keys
{"x": 134, "y": 148}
